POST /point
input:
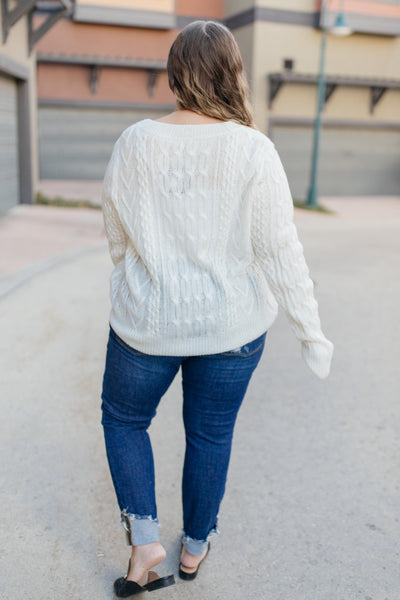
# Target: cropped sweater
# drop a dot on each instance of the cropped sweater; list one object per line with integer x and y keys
{"x": 199, "y": 221}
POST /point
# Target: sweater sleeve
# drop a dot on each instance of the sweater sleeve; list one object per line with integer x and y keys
{"x": 280, "y": 254}
{"x": 116, "y": 235}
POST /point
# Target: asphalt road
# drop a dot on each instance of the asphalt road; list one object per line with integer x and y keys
{"x": 311, "y": 510}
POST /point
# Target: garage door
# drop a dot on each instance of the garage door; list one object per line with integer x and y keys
{"x": 76, "y": 142}
{"x": 353, "y": 162}
{"x": 9, "y": 183}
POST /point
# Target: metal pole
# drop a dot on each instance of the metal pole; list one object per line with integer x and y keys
{"x": 312, "y": 198}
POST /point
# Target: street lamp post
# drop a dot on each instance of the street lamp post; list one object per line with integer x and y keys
{"x": 340, "y": 28}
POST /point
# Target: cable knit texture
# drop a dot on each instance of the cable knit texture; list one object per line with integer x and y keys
{"x": 199, "y": 220}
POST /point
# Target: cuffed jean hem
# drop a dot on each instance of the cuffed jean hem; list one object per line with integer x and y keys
{"x": 198, "y": 547}
{"x": 140, "y": 529}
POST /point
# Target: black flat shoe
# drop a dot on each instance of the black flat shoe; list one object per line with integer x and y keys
{"x": 190, "y": 573}
{"x": 124, "y": 588}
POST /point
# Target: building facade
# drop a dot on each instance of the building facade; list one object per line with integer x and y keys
{"x": 17, "y": 114}
{"x": 360, "y": 141}
{"x": 101, "y": 66}
{"x": 18, "y": 98}
{"x": 100, "y": 71}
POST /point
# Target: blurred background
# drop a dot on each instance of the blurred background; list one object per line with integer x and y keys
{"x": 74, "y": 74}
{"x": 312, "y": 503}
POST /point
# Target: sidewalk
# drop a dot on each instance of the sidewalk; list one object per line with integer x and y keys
{"x": 34, "y": 238}
{"x": 311, "y": 506}
{"x": 33, "y": 233}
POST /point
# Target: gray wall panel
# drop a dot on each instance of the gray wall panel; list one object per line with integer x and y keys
{"x": 353, "y": 162}
{"x": 9, "y": 186}
{"x": 76, "y": 142}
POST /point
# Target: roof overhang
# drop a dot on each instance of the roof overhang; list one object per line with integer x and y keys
{"x": 96, "y": 62}
{"x": 376, "y": 85}
{"x": 52, "y": 9}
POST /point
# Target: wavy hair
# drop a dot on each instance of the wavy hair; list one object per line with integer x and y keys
{"x": 205, "y": 72}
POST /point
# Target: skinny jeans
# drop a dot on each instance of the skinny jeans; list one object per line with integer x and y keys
{"x": 213, "y": 386}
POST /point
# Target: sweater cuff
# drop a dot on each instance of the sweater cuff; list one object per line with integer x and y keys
{"x": 318, "y": 356}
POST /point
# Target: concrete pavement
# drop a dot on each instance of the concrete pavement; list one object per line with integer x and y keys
{"x": 34, "y": 238}
{"x": 312, "y": 503}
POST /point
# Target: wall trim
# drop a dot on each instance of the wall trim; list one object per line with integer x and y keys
{"x": 13, "y": 68}
{"x": 103, "y": 61}
{"x": 103, "y": 104}
{"x": 122, "y": 16}
{"x": 273, "y": 15}
{"x": 360, "y": 23}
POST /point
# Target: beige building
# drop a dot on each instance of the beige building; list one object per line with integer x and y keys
{"x": 17, "y": 114}
{"x": 18, "y": 100}
{"x": 360, "y": 141}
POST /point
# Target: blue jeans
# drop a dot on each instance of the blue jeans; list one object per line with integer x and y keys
{"x": 213, "y": 389}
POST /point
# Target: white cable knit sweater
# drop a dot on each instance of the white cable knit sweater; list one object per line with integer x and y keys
{"x": 199, "y": 220}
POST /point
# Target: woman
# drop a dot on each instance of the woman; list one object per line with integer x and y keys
{"x": 199, "y": 219}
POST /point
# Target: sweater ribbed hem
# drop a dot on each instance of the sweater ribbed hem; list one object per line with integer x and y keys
{"x": 214, "y": 344}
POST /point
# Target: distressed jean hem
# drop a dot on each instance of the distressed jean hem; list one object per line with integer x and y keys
{"x": 198, "y": 547}
{"x": 140, "y": 529}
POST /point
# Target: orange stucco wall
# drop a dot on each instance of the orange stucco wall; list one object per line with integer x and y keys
{"x": 67, "y": 37}
{"x": 210, "y": 9}
{"x": 71, "y": 82}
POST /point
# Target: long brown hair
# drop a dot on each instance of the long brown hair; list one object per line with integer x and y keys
{"x": 205, "y": 72}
